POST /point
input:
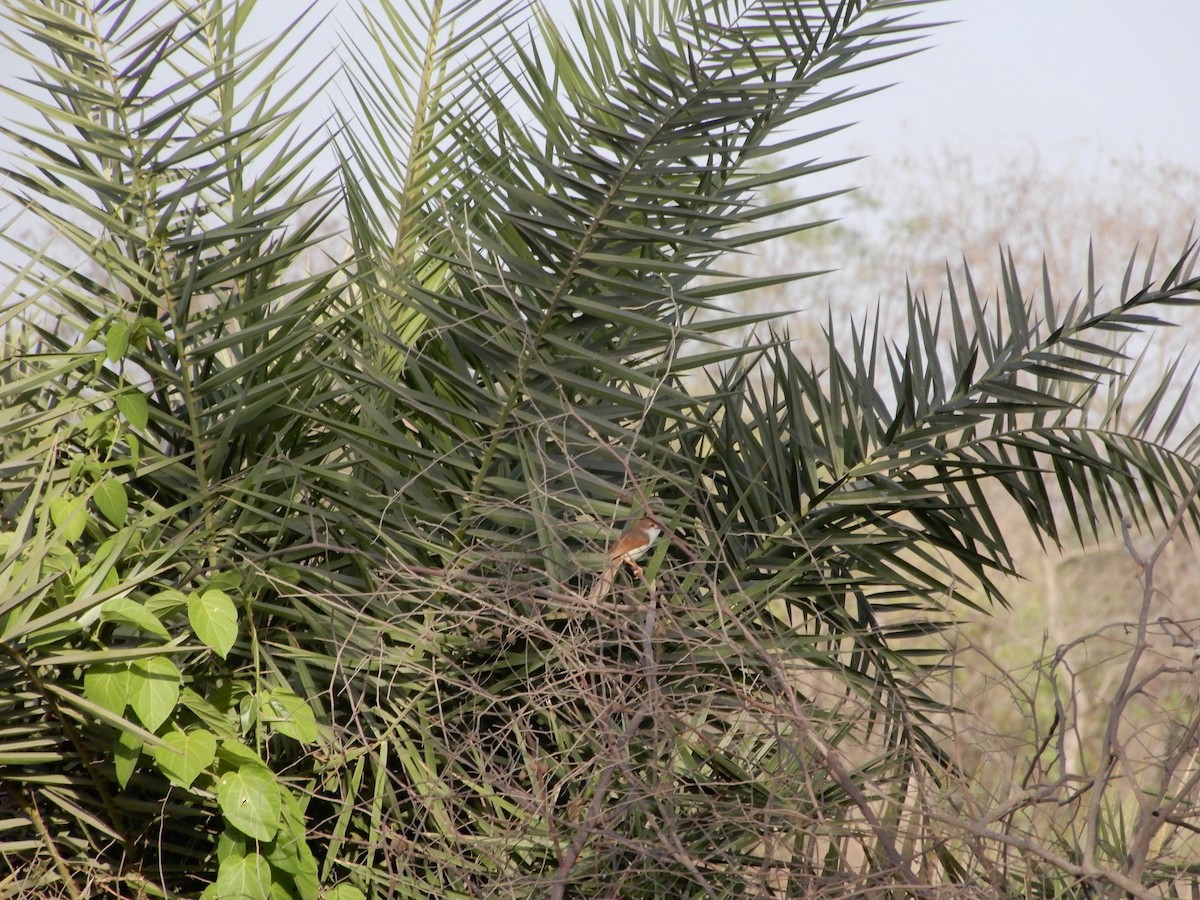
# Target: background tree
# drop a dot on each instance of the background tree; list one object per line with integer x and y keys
{"x": 295, "y": 564}
{"x": 918, "y": 213}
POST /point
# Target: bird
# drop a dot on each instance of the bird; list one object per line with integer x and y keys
{"x": 631, "y": 546}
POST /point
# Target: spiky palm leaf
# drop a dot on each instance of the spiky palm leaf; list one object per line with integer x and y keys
{"x": 410, "y": 459}
{"x": 162, "y": 347}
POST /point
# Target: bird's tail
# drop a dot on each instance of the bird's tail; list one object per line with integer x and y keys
{"x": 604, "y": 583}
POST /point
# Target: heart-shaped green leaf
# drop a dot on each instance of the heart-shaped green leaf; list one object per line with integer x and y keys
{"x": 132, "y": 406}
{"x": 154, "y": 689}
{"x": 214, "y": 619}
{"x": 244, "y": 877}
{"x": 107, "y": 685}
{"x": 116, "y": 342}
{"x": 112, "y": 500}
{"x": 183, "y": 756}
{"x": 130, "y": 612}
{"x": 249, "y": 800}
{"x": 70, "y": 515}
{"x": 290, "y": 715}
{"x": 126, "y": 750}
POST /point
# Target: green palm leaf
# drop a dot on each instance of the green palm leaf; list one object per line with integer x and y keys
{"x": 387, "y": 470}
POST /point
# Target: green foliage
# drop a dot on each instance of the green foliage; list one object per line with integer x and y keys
{"x": 126, "y": 624}
{"x": 297, "y": 536}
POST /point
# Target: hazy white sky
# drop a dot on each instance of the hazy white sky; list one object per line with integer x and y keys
{"x": 1054, "y": 75}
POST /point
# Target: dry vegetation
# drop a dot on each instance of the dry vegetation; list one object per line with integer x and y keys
{"x": 296, "y": 548}
{"x": 1075, "y": 708}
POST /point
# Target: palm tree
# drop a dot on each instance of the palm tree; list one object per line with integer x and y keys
{"x": 299, "y": 531}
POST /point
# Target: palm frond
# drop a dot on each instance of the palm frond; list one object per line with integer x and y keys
{"x": 370, "y": 479}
